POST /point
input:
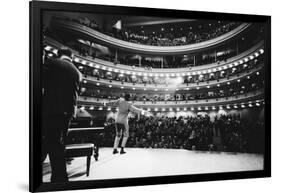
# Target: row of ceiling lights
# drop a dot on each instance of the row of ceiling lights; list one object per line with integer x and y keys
{"x": 109, "y": 69}
{"x": 206, "y": 108}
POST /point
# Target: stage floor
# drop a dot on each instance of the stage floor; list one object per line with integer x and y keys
{"x": 140, "y": 162}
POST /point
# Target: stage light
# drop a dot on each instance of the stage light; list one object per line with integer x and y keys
{"x": 170, "y": 109}
{"x": 218, "y": 85}
{"x": 161, "y": 75}
{"x": 214, "y": 70}
{"x": 225, "y": 67}
{"x": 82, "y": 108}
{"x": 183, "y": 74}
{"x": 144, "y": 89}
{"x": 166, "y": 89}
{"x": 188, "y": 74}
{"x": 134, "y": 88}
{"x": 48, "y": 48}
{"x": 251, "y": 57}
{"x": 116, "y": 70}
{"x": 235, "y": 63}
{"x": 187, "y": 88}
{"x": 199, "y": 108}
{"x": 209, "y": 71}
{"x": 167, "y": 75}
{"x": 248, "y": 77}
{"x": 128, "y": 72}
{"x": 91, "y": 108}
{"x": 156, "y": 109}
{"x": 156, "y": 75}
{"x": 228, "y": 83}
{"x": 214, "y": 108}
{"x": 238, "y": 80}
{"x": 199, "y": 72}
{"x": 76, "y": 60}
{"x": 246, "y": 59}
{"x": 162, "y": 29}
{"x": 121, "y": 75}
{"x": 208, "y": 86}
{"x": 139, "y": 73}
{"x": 192, "y": 108}
{"x": 243, "y": 106}
{"x": 221, "y": 108}
{"x": 84, "y": 81}
{"x": 109, "y": 69}
{"x": 197, "y": 88}
{"x": 184, "y": 109}
{"x": 98, "y": 83}
{"x": 103, "y": 68}
{"x": 178, "y": 74}
{"x": 109, "y": 109}
{"x": 97, "y": 66}
{"x": 163, "y": 109}
{"x": 245, "y": 65}
{"x": 108, "y": 73}
{"x": 220, "y": 68}
{"x": 148, "y": 109}
{"x": 178, "y": 109}
{"x": 150, "y": 74}
{"x": 240, "y": 61}
{"x": 80, "y": 67}
{"x": 193, "y": 73}
{"x": 228, "y": 107}
{"x": 206, "y": 108}
{"x": 100, "y": 108}
{"x": 177, "y": 89}
{"x": 261, "y": 51}
{"x": 258, "y": 104}
{"x": 204, "y": 72}
{"x": 172, "y": 74}
{"x": 256, "y": 54}
{"x": 258, "y": 73}
{"x": 84, "y": 62}
{"x": 243, "y": 87}
{"x": 122, "y": 87}
{"x": 91, "y": 64}
{"x": 230, "y": 65}
{"x": 250, "y": 105}
{"x": 156, "y": 89}
{"x": 50, "y": 55}
{"x": 109, "y": 86}
{"x": 235, "y": 106}
{"x": 144, "y": 74}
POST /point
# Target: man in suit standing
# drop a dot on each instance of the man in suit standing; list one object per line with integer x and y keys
{"x": 121, "y": 121}
{"x": 60, "y": 90}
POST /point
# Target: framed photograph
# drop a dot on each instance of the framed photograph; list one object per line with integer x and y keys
{"x": 125, "y": 96}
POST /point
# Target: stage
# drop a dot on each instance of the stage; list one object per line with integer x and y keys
{"x": 141, "y": 162}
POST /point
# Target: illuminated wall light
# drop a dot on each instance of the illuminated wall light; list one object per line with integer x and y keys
{"x": 199, "y": 72}
{"x": 240, "y": 61}
{"x": 258, "y": 73}
{"x": 197, "y": 88}
{"x": 245, "y": 65}
{"x": 177, "y": 89}
{"x": 48, "y": 48}
{"x": 144, "y": 89}
{"x": 256, "y": 54}
{"x": 208, "y": 86}
{"x": 251, "y": 57}
{"x": 91, "y": 64}
{"x": 108, "y": 73}
{"x": 214, "y": 108}
{"x": 220, "y": 68}
{"x": 100, "y": 108}
{"x": 228, "y": 83}
{"x": 178, "y": 74}
{"x": 206, "y": 108}
{"x": 139, "y": 74}
{"x": 109, "y": 86}
{"x": 156, "y": 75}
{"x": 50, "y": 55}
{"x": 172, "y": 74}
{"x": 109, "y": 69}
{"x": 134, "y": 73}
{"x": 209, "y": 71}
{"x": 184, "y": 108}
{"x": 188, "y": 74}
{"x": 221, "y": 108}
{"x": 235, "y": 106}
{"x": 97, "y": 66}
{"x": 230, "y": 65}
{"x": 250, "y": 105}
{"x": 82, "y": 108}
{"x": 104, "y": 68}
{"x": 156, "y": 89}
{"x": 183, "y": 74}
{"x": 218, "y": 85}
{"x": 91, "y": 108}
{"x": 80, "y": 67}
{"x": 98, "y": 83}
{"x": 76, "y": 60}
{"x": 225, "y": 67}
{"x": 228, "y": 107}
{"x": 243, "y": 106}
{"x": 163, "y": 109}
{"x": 122, "y": 87}
{"x": 167, "y": 75}
{"x": 193, "y": 73}
{"x": 121, "y": 75}
{"x": 238, "y": 80}
{"x": 116, "y": 70}
{"x": 235, "y": 63}
{"x": 150, "y": 75}
{"x": 248, "y": 77}
{"x": 178, "y": 109}
{"x": 128, "y": 72}
{"x": 166, "y": 89}
{"x": 187, "y": 88}
{"x": 246, "y": 59}
{"x": 204, "y": 72}
{"x": 214, "y": 70}
{"x": 109, "y": 109}
{"x": 148, "y": 109}
{"x": 261, "y": 51}
{"x": 161, "y": 75}
{"x": 156, "y": 109}
{"x": 134, "y": 88}
{"x": 258, "y": 104}
{"x": 85, "y": 81}
{"x": 170, "y": 109}
{"x": 192, "y": 108}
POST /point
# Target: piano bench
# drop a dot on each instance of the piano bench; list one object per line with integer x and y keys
{"x": 80, "y": 150}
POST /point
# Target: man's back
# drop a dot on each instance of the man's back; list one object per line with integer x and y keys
{"x": 61, "y": 84}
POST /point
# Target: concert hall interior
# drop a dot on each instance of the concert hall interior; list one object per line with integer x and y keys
{"x": 199, "y": 84}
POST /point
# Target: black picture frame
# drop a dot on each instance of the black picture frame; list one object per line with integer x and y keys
{"x": 35, "y": 175}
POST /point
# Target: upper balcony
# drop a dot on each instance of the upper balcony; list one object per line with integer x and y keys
{"x": 99, "y": 37}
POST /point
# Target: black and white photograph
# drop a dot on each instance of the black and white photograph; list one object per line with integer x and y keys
{"x": 136, "y": 96}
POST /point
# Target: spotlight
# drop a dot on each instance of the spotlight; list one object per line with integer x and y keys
{"x": 122, "y": 87}
{"x": 258, "y": 104}
{"x": 261, "y": 51}
{"x": 109, "y": 86}
{"x": 214, "y": 108}
{"x": 184, "y": 109}
{"x": 100, "y": 108}
{"x": 91, "y": 108}
{"x": 170, "y": 109}
{"x": 98, "y": 83}
{"x": 192, "y": 108}
{"x": 228, "y": 107}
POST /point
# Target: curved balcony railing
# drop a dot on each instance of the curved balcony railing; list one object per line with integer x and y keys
{"x": 249, "y": 54}
{"x": 147, "y": 49}
{"x": 182, "y": 86}
{"x": 253, "y": 96}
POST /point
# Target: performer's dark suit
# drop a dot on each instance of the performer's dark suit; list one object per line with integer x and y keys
{"x": 60, "y": 90}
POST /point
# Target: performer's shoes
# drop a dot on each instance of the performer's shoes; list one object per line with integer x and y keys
{"x": 115, "y": 151}
{"x": 122, "y": 151}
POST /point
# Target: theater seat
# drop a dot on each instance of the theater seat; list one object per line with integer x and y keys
{"x": 81, "y": 150}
